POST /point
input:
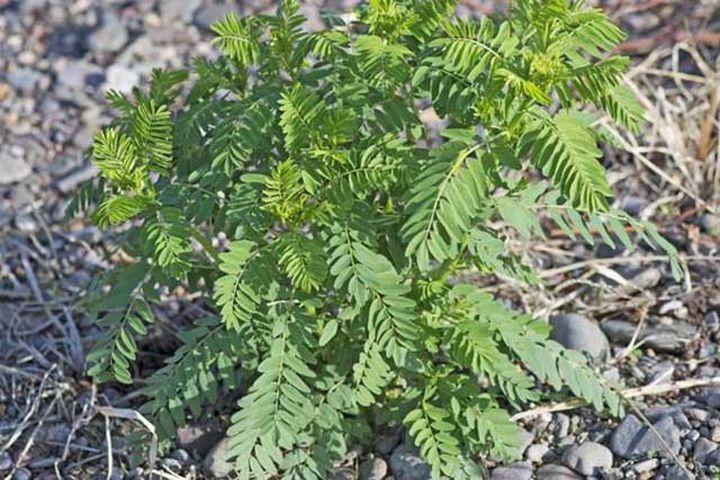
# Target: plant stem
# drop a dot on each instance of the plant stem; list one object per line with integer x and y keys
{"x": 205, "y": 243}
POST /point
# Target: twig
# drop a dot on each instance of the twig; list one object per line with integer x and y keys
{"x": 129, "y": 414}
{"x": 647, "y": 390}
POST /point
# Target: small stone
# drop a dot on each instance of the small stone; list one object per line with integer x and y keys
{"x": 710, "y": 223}
{"x": 675, "y": 413}
{"x": 526, "y": 438}
{"x": 406, "y": 464}
{"x": 181, "y": 455}
{"x": 198, "y": 439}
{"x": 121, "y": 78}
{"x": 647, "y": 278}
{"x": 672, "y": 337}
{"x": 373, "y": 469}
{"x": 562, "y": 425}
{"x": 670, "y": 306}
{"x": 6, "y": 461}
{"x": 386, "y": 443}
{"x": 179, "y": 9}
{"x": 646, "y": 466}
{"x": 715, "y": 434}
{"x": 556, "y": 472}
{"x": 632, "y": 439}
{"x": 110, "y": 37}
{"x": 13, "y": 168}
{"x": 676, "y": 472}
{"x": 26, "y": 223}
{"x": 698, "y": 414}
{"x": 703, "y": 448}
{"x": 536, "y": 453}
{"x": 661, "y": 372}
{"x": 209, "y": 13}
{"x": 215, "y": 461}
{"x": 514, "y": 471}
{"x": 712, "y": 320}
{"x": 579, "y": 333}
{"x": 710, "y": 396}
{"x": 588, "y": 458}
{"x": 342, "y": 474}
{"x": 26, "y": 79}
{"x": 172, "y": 464}
{"x": 22, "y": 474}
{"x": 78, "y": 74}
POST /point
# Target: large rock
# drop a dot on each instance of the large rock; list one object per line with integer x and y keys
{"x": 588, "y": 458}
{"x": 514, "y": 471}
{"x": 579, "y": 333}
{"x": 632, "y": 439}
{"x": 406, "y": 464}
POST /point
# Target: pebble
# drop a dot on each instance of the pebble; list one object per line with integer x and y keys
{"x": 209, "y": 13}
{"x": 671, "y": 338}
{"x": 386, "y": 443}
{"x": 703, "y": 448}
{"x": 13, "y": 168}
{"x": 676, "y": 472}
{"x": 111, "y": 36}
{"x": 556, "y": 472}
{"x": 514, "y": 471}
{"x": 646, "y": 465}
{"x": 712, "y": 320}
{"x": 22, "y": 474}
{"x": 578, "y": 333}
{"x": 526, "y": 438}
{"x": 122, "y": 78}
{"x": 588, "y": 458}
{"x": 406, "y": 464}
{"x": 198, "y": 439}
{"x": 178, "y": 9}
{"x": 26, "y": 223}
{"x": 536, "y": 453}
{"x": 373, "y": 469}
{"x": 633, "y": 439}
{"x": 6, "y": 461}
{"x": 215, "y": 461}
{"x": 26, "y": 79}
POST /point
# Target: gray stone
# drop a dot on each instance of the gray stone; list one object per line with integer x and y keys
{"x": 13, "y": 168}
{"x": 373, "y": 469}
{"x": 675, "y": 413}
{"x": 579, "y": 333}
{"x": 172, "y": 464}
{"x": 514, "y": 471}
{"x": 6, "y": 461}
{"x": 209, "y": 13}
{"x": 181, "y": 455}
{"x": 22, "y": 474}
{"x": 342, "y": 474}
{"x": 712, "y": 320}
{"x": 178, "y": 9}
{"x": 676, "y": 472}
{"x": 710, "y": 396}
{"x": 562, "y": 425}
{"x": 198, "y": 439}
{"x": 78, "y": 74}
{"x": 121, "y": 78}
{"x": 698, "y": 414}
{"x": 646, "y": 465}
{"x": 647, "y": 278}
{"x": 385, "y": 443}
{"x": 556, "y": 472}
{"x": 536, "y": 453}
{"x": 710, "y": 222}
{"x": 26, "y": 223}
{"x": 26, "y": 79}
{"x": 632, "y": 439}
{"x": 588, "y": 458}
{"x": 215, "y": 461}
{"x": 406, "y": 464}
{"x": 526, "y": 438}
{"x": 672, "y": 337}
{"x": 703, "y": 448}
{"x": 111, "y": 36}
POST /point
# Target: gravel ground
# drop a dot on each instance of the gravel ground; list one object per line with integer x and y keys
{"x": 643, "y": 329}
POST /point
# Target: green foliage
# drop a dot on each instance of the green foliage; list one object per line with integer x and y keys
{"x": 295, "y": 190}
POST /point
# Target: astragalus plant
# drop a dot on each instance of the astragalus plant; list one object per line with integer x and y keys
{"x": 333, "y": 302}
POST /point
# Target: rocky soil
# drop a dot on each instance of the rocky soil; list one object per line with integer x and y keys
{"x": 640, "y": 327}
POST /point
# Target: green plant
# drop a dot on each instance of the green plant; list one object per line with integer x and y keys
{"x": 346, "y": 224}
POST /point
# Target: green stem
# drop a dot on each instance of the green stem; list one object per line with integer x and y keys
{"x": 205, "y": 243}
